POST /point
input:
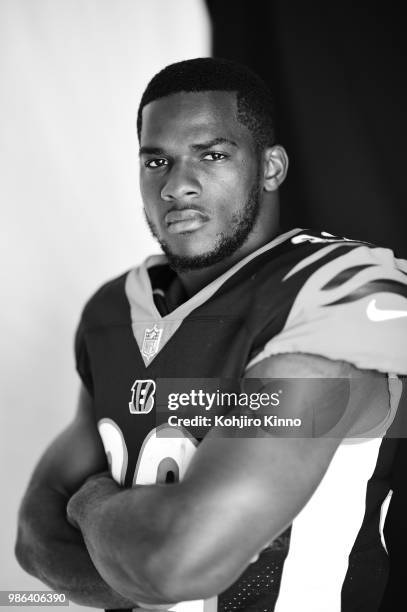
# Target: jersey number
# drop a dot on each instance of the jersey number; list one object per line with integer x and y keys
{"x": 164, "y": 457}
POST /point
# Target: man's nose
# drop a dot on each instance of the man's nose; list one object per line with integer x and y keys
{"x": 181, "y": 184}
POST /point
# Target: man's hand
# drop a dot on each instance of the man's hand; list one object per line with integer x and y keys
{"x": 95, "y": 489}
{"x": 154, "y": 607}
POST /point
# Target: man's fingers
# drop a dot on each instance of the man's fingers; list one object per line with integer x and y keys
{"x": 162, "y": 609}
{"x": 151, "y": 609}
{"x": 154, "y": 607}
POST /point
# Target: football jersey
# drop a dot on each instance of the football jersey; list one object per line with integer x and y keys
{"x": 304, "y": 292}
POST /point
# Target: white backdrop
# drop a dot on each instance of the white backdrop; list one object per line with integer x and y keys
{"x": 71, "y": 75}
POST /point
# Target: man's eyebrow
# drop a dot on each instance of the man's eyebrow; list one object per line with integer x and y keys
{"x": 150, "y": 151}
{"x": 201, "y": 146}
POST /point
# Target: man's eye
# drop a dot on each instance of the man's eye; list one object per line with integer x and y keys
{"x": 214, "y": 156}
{"x": 155, "y": 163}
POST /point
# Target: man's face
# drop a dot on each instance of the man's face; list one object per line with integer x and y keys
{"x": 199, "y": 177}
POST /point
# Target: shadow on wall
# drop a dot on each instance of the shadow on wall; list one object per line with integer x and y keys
{"x": 337, "y": 72}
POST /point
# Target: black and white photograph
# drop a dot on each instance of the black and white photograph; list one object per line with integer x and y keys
{"x": 204, "y": 329}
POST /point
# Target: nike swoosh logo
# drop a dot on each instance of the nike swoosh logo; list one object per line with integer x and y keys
{"x": 378, "y": 314}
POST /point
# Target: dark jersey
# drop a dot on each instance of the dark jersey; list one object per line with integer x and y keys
{"x": 305, "y": 292}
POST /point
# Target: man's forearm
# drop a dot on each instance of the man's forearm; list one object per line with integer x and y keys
{"x": 52, "y": 550}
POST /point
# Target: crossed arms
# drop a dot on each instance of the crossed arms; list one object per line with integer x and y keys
{"x": 111, "y": 547}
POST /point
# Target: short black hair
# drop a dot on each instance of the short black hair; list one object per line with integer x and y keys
{"x": 254, "y": 100}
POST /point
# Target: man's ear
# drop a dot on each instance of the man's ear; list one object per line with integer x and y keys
{"x": 275, "y": 161}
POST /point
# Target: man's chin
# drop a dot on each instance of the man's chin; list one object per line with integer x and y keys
{"x": 187, "y": 261}
{"x": 191, "y": 249}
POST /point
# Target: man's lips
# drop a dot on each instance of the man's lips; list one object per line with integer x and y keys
{"x": 186, "y": 220}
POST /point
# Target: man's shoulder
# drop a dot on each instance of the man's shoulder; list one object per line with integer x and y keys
{"x": 322, "y": 262}
{"x": 341, "y": 299}
{"x": 108, "y": 304}
{"x": 281, "y": 269}
{"x": 342, "y": 270}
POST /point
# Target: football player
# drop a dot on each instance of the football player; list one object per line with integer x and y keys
{"x": 264, "y": 520}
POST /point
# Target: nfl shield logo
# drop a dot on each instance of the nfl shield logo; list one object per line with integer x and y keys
{"x": 142, "y": 399}
{"x": 151, "y": 342}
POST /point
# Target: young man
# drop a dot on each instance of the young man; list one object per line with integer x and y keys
{"x": 231, "y": 299}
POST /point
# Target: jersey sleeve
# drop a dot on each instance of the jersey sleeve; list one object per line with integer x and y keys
{"x": 107, "y": 307}
{"x": 82, "y": 358}
{"x": 353, "y": 309}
